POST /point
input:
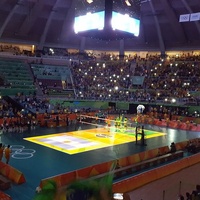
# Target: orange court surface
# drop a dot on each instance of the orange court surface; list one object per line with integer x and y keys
{"x": 90, "y": 139}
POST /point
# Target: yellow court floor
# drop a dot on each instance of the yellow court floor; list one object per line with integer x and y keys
{"x": 90, "y": 139}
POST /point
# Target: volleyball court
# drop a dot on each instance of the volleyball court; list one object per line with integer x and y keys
{"x": 120, "y": 126}
{"x": 112, "y": 125}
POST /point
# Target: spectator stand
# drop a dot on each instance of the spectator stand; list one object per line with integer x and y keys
{"x": 17, "y": 77}
{"x": 53, "y": 80}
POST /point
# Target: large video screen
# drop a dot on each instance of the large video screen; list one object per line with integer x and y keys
{"x": 84, "y": 6}
{"x": 125, "y": 23}
{"x": 90, "y": 21}
{"x": 131, "y": 7}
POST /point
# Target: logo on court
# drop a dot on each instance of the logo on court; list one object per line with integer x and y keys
{"x": 103, "y": 135}
{"x": 19, "y": 152}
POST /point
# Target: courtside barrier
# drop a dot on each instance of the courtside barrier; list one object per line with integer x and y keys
{"x": 123, "y": 161}
{"x": 152, "y": 153}
{"x": 62, "y": 123}
{"x": 177, "y": 122}
{"x": 11, "y": 173}
{"x": 63, "y": 180}
{"x": 51, "y": 124}
{"x": 164, "y": 123}
{"x": 163, "y": 150}
{"x": 85, "y": 172}
{"x": 194, "y": 159}
{"x": 143, "y": 155}
{"x": 66, "y": 178}
{"x": 158, "y": 122}
{"x": 72, "y": 116}
{"x": 181, "y": 145}
{"x": 173, "y": 124}
{"x": 154, "y": 174}
{"x": 195, "y": 127}
{"x": 101, "y": 168}
{"x": 4, "y": 196}
{"x": 133, "y": 159}
{"x": 134, "y": 182}
{"x": 149, "y": 154}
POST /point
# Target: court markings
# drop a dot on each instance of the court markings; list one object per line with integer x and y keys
{"x": 20, "y": 152}
{"x": 87, "y": 140}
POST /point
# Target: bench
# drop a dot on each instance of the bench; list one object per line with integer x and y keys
{"x": 4, "y": 183}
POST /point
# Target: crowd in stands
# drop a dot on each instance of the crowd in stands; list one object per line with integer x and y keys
{"x": 193, "y": 146}
{"x": 14, "y": 120}
{"x": 101, "y": 81}
{"x": 52, "y": 79}
{"x": 10, "y": 48}
{"x": 194, "y": 195}
{"x": 163, "y": 80}
{"x": 32, "y": 103}
{"x": 18, "y": 124}
{"x": 164, "y": 112}
{"x": 175, "y": 77}
{"x": 6, "y": 109}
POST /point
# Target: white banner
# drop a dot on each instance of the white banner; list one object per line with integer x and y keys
{"x": 195, "y": 16}
{"x": 184, "y": 18}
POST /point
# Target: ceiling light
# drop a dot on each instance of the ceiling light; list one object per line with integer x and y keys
{"x": 127, "y": 3}
{"x": 89, "y": 1}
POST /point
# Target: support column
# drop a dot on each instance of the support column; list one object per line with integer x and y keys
{"x": 68, "y": 22}
{"x": 82, "y": 45}
{"x": 121, "y": 49}
{"x": 46, "y": 28}
{"x": 160, "y": 39}
{"x": 9, "y": 17}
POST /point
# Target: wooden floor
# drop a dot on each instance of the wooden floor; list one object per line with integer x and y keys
{"x": 38, "y": 161}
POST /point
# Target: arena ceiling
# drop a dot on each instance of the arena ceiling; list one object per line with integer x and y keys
{"x": 49, "y": 23}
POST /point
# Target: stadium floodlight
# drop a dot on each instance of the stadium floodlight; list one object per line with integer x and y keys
{"x": 90, "y": 1}
{"x": 127, "y": 3}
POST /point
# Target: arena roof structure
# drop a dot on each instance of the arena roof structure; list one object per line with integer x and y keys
{"x": 165, "y": 25}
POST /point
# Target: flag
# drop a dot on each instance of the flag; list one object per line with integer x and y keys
{"x": 195, "y": 16}
{"x": 184, "y": 18}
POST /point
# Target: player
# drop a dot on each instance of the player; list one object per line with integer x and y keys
{"x": 1, "y": 151}
{"x": 125, "y": 122}
{"x": 7, "y": 154}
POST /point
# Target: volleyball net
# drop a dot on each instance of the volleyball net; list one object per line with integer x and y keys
{"x": 118, "y": 123}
